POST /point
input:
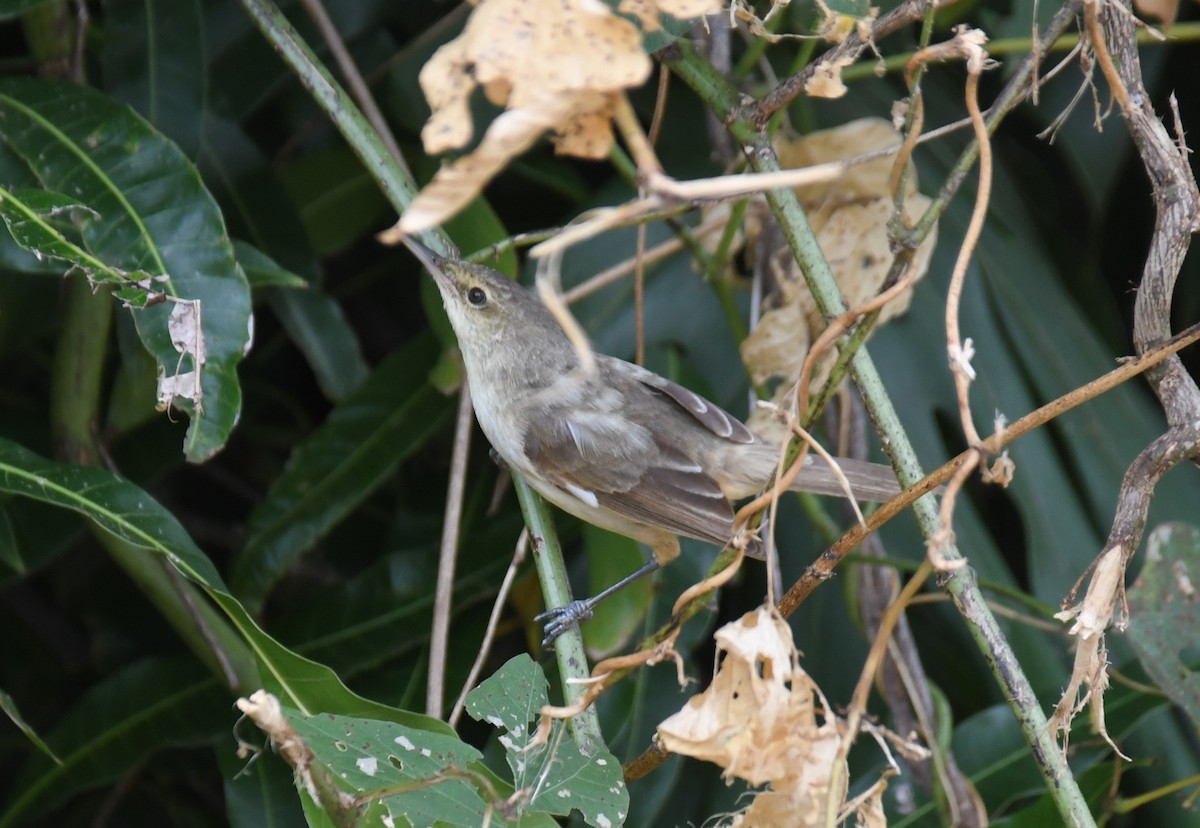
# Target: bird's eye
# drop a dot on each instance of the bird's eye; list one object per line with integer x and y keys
{"x": 477, "y": 297}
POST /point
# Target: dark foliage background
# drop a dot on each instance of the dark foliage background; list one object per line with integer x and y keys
{"x": 340, "y": 566}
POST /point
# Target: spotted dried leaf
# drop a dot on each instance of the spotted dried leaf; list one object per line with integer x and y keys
{"x": 553, "y": 64}
{"x": 764, "y": 720}
{"x": 454, "y": 185}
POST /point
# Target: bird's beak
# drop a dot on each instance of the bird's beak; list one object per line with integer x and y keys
{"x": 434, "y": 262}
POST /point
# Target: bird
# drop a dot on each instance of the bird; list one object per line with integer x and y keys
{"x": 610, "y": 442}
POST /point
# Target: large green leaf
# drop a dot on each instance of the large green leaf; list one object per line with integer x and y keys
{"x": 129, "y": 513}
{"x": 115, "y": 726}
{"x": 550, "y": 767}
{"x": 154, "y": 215}
{"x": 1165, "y": 615}
{"x": 357, "y": 448}
{"x": 153, "y": 60}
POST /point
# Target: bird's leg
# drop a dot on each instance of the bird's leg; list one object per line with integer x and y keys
{"x": 560, "y": 619}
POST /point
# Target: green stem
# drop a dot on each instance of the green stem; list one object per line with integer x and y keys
{"x": 556, "y": 589}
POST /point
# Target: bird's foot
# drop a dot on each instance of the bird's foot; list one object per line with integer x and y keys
{"x": 560, "y": 619}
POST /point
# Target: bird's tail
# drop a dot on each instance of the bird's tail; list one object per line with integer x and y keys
{"x": 867, "y": 481}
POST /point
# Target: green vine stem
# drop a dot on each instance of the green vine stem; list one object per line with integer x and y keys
{"x": 556, "y": 589}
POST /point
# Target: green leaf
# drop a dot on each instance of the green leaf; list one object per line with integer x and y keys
{"x": 1164, "y": 614}
{"x": 339, "y": 466}
{"x": 32, "y": 218}
{"x": 314, "y": 321}
{"x": 263, "y": 271}
{"x": 372, "y": 757}
{"x": 132, "y": 714}
{"x": 557, "y": 777}
{"x": 10, "y": 551}
{"x": 153, "y": 60}
{"x": 9, "y": 708}
{"x": 129, "y": 513}
{"x": 155, "y": 216}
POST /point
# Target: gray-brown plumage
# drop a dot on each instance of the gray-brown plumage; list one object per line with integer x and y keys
{"x": 618, "y": 446}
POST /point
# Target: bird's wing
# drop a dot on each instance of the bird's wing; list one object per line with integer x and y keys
{"x": 605, "y": 460}
{"x": 711, "y": 416}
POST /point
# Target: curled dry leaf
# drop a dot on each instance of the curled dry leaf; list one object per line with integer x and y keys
{"x": 187, "y": 337}
{"x": 826, "y": 81}
{"x": 554, "y": 65}
{"x": 850, "y": 216}
{"x": 764, "y": 720}
{"x": 1089, "y": 675}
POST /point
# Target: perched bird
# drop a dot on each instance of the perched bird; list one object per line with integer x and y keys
{"x": 618, "y": 445}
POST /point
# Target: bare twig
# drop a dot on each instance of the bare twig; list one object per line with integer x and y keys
{"x": 489, "y": 636}
{"x": 439, "y": 635}
{"x": 850, "y": 48}
{"x": 354, "y": 79}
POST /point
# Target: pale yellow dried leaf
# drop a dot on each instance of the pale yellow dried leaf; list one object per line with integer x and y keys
{"x": 860, "y": 137}
{"x": 588, "y": 134}
{"x": 551, "y": 63}
{"x": 826, "y": 81}
{"x": 454, "y": 185}
{"x": 871, "y": 814}
{"x": 447, "y": 87}
{"x": 769, "y": 352}
{"x": 648, "y": 11}
{"x": 758, "y": 718}
{"x": 850, "y": 217}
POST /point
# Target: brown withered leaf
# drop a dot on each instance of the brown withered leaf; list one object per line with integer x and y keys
{"x": 826, "y": 81}
{"x": 764, "y": 720}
